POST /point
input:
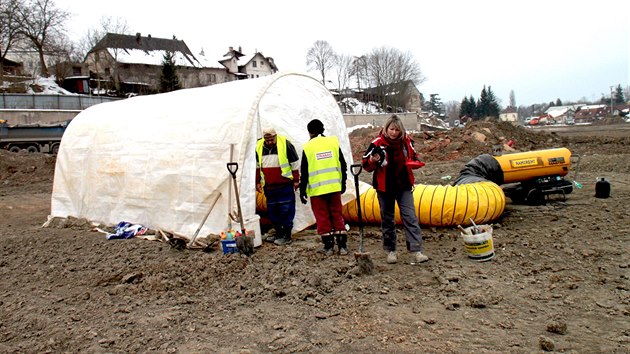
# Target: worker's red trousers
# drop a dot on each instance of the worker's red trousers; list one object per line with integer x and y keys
{"x": 327, "y": 210}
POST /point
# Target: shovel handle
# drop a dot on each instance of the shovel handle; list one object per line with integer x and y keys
{"x": 355, "y": 169}
{"x": 232, "y": 167}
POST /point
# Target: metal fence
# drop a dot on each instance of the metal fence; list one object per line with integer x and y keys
{"x": 53, "y": 102}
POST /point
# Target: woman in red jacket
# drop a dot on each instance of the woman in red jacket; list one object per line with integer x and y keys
{"x": 392, "y": 157}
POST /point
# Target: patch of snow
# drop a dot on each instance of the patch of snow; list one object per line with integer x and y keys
{"x": 154, "y": 57}
{"x": 49, "y": 86}
{"x": 355, "y": 127}
{"x": 353, "y": 105}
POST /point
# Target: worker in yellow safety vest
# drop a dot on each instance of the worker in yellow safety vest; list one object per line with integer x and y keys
{"x": 277, "y": 176}
{"x": 323, "y": 179}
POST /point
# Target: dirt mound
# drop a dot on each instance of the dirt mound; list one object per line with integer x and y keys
{"x": 480, "y": 137}
{"x": 26, "y": 169}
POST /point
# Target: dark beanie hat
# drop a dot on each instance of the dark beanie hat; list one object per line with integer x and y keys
{"x": 315, "y": 126}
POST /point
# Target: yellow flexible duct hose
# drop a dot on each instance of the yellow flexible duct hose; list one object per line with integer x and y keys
{"x": 436, "y": 205}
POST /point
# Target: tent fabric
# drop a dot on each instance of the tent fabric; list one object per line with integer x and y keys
{"x": 160, "y": 160}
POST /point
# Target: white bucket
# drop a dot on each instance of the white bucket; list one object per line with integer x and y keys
{"x": 480, "y": 246}
{"x": 253, "y": 224}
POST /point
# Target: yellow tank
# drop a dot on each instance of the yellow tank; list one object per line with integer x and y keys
{"x": 524, "y": 166}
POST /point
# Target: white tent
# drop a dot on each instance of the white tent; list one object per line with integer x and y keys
{"x": 160, "y": 160}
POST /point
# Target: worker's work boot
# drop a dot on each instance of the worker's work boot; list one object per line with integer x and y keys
{"x": 282, "y": 241}
{"x": 391, "y": 257}
{"x": 283, "y": 238}
{"x": 275, "y": 236}
{"x": 342, "y": 240}
{"x": 418, "y": 257}
{"x": 329, "y": 245}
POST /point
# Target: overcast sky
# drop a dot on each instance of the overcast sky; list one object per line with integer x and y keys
{"x": 541, "y": 49}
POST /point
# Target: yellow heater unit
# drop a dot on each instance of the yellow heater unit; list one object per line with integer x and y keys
{"x": 524, "y": 166}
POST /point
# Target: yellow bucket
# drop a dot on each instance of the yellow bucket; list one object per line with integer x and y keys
{"x": 479, "y": 245}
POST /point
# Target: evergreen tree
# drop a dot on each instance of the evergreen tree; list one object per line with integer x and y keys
{"x": 473, "y": 107}
{"x": 487, "y": 105}
{"x": 467, "y": 107}
{"x": 558, "y": 102}
{"x": 463, "y": 107}
{"x": 482, "y": 104}
{"x": 493, "y": 109}
{"x": 169, "y": 80}
{"x": 435, "y": 105}
{"x": 618, "y": 98}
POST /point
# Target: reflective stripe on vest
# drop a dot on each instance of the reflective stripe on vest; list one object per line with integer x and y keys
{"x": 281, "y": 147}
{"x": 324, "y": 168}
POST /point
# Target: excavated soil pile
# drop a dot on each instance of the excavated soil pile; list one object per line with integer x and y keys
{"x": 25, "y": 171}
{"x": 487, "y": 137}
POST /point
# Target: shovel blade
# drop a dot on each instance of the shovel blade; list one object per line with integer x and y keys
{"x": 245, "y": 245}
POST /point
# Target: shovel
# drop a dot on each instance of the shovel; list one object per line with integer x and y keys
{"x": 192, "y": 241}
{"x": 364, "y": 262}
{"x": 244, "y": 243}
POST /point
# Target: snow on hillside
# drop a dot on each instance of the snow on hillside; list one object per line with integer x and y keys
{"x": 42, "y": 85}
{"x": 49, "y": 87}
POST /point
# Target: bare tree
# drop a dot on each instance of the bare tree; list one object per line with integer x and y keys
{"x": 9, "y": 29}
{"x": 342, "y": 74}
{"x": 342, "y": 71}
{"x": 359, "y": 71}
{"x": 73, "y": 51}
{"x": 43, "y": 24}
{"x": 389, "y": 72}
{"x": 512, "y": 99}
{"x": 451, "y": 109}
{"x": 320, "y": 57}
{"x": 92, "y": 36}
{"x": 92, "y": 40}
{"x": 62, "y": 57}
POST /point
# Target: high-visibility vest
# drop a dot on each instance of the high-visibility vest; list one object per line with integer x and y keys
{"x": 281, "y": 146}
{"x": 324, "y": 168}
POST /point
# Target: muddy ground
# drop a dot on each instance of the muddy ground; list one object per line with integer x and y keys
{"x": 559, "y": 280}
